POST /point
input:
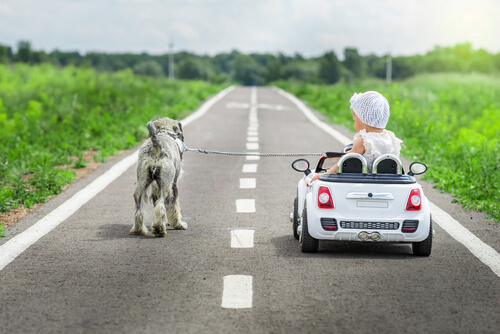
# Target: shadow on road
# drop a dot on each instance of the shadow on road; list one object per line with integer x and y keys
{"x": 120, "y": 231}
{"x": 288, "y": 246}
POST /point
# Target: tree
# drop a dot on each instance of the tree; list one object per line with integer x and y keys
{"x": 354, "y": 62}
{"x": 189, "y": 69}
{"x": 273, "y": 70}
{"x": 23, "y": 52}
{"x": 149, "y": 68}
{"x": 5, "y": 54}
{"x": 329, "y": 68}
{"x": 246, "y": 70}
{"x": 305, "y": 70}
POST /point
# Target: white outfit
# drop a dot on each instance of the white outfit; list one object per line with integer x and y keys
{"x": 377, "y": 144}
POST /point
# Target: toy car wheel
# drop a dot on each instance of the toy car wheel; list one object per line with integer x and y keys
{"x": 295, "y": 218}
{"x": 307, "y": 243}
{"x": 423, "y": 248}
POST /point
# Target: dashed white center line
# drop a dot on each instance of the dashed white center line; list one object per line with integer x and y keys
{"x": 238, "y": 291}
{"x": 253, "y": 157}
{"x": 242, "y": 238}
{"x": 248, "y": 183}
{"x": 249, "y": 168}
{"x": 245, "y": 205}
{"x": 252, "y": 146}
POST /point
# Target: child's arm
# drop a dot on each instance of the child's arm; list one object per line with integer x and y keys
{"x": 357, "y": 147}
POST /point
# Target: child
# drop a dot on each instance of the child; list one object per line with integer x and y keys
{"x": 370, "y": 112}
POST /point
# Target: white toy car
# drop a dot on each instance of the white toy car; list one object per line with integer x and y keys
{"x": 353, "y": 205}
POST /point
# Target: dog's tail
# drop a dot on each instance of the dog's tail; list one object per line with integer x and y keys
{"x": 153, "y": 130}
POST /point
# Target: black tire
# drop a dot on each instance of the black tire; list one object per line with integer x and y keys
{"x": 423, "y": 248}
{"x": 307, "y": 243}
{"x": 295, "y": 218}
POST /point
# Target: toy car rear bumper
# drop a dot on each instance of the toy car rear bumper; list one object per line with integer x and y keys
{"x": 397, "y": 229}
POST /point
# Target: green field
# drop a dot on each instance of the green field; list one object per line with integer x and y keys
{"x": 450, "y": 121}
{"x": 49, "y": 115}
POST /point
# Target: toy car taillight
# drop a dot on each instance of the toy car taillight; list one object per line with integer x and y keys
{"x": 325, "y": 200}
{"x": 414, "y": 202}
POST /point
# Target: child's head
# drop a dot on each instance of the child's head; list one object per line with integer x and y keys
{"x": 371, "y": 108}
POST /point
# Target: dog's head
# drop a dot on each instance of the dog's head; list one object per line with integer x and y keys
{"x": 169, "y": 126}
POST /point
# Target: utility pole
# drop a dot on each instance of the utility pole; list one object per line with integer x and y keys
{"x": 388, "y": 69}
{"x": 171, "y": 61}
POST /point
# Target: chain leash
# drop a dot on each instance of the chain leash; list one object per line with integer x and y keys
{"x": 256, "y": 154}
{"x": 183, "y": 148}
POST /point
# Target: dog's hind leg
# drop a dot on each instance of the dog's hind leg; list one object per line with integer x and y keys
{"x": 174, "y": 212}
{"x": 159, "y": 227}
{"x": 139, "y": 228}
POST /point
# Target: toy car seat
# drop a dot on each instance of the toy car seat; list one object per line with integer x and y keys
{"x": 352, "y": 163}
{"x": 387, "y": 164}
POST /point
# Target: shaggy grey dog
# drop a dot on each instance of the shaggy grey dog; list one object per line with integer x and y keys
{"x": 158, "y": 170}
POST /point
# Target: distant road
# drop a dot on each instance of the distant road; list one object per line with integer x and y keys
{"x": 237, "y": 269}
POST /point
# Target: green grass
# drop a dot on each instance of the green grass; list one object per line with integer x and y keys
{"x": 50, "y": 115}
{"x": 450, "y": 122}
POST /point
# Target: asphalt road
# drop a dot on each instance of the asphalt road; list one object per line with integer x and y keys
{"x": 88, "y": 275}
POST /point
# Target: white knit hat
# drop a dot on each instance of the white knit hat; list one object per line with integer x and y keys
{"x": 371, "y": 108}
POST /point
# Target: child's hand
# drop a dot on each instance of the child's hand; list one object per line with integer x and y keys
{"x": 315, "y": 177}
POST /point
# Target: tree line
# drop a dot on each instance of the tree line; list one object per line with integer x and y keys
{"x": 260, "y": 69}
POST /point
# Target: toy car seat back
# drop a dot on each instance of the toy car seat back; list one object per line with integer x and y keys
{"x": 387, "y": 164}
{"x": 352, "y": 163}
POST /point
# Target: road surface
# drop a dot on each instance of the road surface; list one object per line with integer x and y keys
{"x": 237, "y": 269}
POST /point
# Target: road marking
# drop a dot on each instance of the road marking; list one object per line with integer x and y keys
{"x": 253, "y": 157}
{"x": 249, "y": 168}
{"x": 252, "y": 139}
{"x": 253, "y": 96}
{"x": 252, "y": 146}
{"x": 242, "y": 238}
{"x": 252, "y": 133}
{"x": 237, "y": 105}
{"x": 254, "y": 127}
{"x": 245, "y": 206}
{"x": 248, "y": 183}
{"x": 18, "y": 244}
{"x": 238, "y": 291}
{"x": 476, "y": 246}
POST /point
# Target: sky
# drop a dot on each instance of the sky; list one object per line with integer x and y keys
{"x": 307, "y": 27}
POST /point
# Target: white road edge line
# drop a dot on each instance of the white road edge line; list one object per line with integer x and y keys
{"x": 476, "y": 246}
{"x": 238, "y": 292}
{"x": 18, "y": 244}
